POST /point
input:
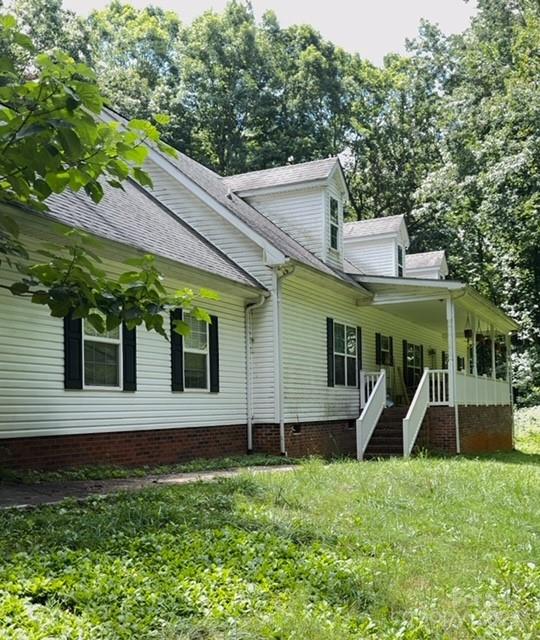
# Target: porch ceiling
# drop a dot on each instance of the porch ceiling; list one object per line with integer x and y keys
{"x": 430, "y": 314}
{"x": 423, "y": 302}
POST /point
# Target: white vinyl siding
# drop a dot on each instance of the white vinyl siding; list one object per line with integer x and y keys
{"x": 249, "y": 256}
{"x": 376, "y": 257}
{"x": 208, "y": 223}
{"x": 299, "y": 213}
{"x": 33, "y": 400}
{"x": 307, "y": 396}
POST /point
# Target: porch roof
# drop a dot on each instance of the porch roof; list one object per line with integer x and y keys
{"x": 423, "y": 301}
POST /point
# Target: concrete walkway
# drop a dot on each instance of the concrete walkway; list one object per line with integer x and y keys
{"x": 24, "y": 496}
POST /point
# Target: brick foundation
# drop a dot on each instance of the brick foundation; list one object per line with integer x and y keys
{"x": 126, "y": 448}
{"x": 327, "y": 439}
{"x": 482, "y": 429}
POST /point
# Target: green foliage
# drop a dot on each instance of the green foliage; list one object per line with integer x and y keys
{"x": 447, "y": 135}
{"x": 343, "y": 551}
{"x": 104, "y": 472}
{"x": 52, "y": 139}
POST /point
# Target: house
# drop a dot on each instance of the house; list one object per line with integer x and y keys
{"x": 328, "y": 337}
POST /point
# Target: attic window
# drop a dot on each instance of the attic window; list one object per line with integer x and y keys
{"x": 400, "y": 260}
{"x": 334, "y": 223}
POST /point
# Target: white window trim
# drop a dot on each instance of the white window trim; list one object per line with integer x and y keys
{"x": 346, "y": 355}
{"x": 418, "y": 368}
{"x": 118, "y": 341}
{"x": 388, "y": 351}
{"x": 331, "y": 224}
{"x": 400, "y": 265}
{"x": 205, "y": 352}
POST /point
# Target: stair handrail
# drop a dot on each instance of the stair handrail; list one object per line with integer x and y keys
{"x": 373, "y": 408}
{"x": 415, "y": 415}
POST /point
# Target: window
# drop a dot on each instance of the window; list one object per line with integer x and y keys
{"x": 196, "y": 354}
{"x": 334, "y": 223}
{"x": 415, "y": 364}
{"x": 345, "y": 355}
{"x": 400, "y": 260}
{"x": 384, "y": 350}
{"x": 102, "y": 357}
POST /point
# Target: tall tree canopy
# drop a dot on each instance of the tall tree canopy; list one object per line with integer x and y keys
{"x": 447, "y": 135}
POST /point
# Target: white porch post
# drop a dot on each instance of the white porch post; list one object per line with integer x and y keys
{"x": 493, "y": 372}
{"x": 474, "y": 362}
{"x": 451, "y": 329}
{"x": 508, "y": 344}
{"x": 452, "y": 363}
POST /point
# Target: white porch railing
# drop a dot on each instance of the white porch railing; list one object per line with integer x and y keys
{"x": 481, "y": 390}
{"x": 368, "y": 380}
{"x": 438, "y": 387}
{"x": 415, "y": 415}
{"x": 373, "y": 400}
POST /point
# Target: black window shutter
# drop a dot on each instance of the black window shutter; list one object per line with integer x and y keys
{"x": 359, "y": 352}
{"x": 391, "y": 345}
{"x": 330, "y": 351}
{"x": 443, "y": 359}
{"x": 378, "y": 355}
{"x": 129, "y": 358}
{"x": 406, "y": 375}
{"x": 177, "y": 354}
{"x": 421, "y": 359}
{"x": 213, "y": 337}
{"x": 73, "y": 378}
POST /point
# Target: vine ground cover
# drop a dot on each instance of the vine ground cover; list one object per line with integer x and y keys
{"x": 427, "y": 548}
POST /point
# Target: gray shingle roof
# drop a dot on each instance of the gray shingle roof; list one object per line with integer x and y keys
{"x": 424, "y": 260}
{"x": 280, "y": 176}
{"x": 214, "y": 185}
{"x": 373, "y": 226}
{"x": 134, "y": 217}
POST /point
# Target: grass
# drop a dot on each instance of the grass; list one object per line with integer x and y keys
{"x": 108, "y": 472}
{"x": 409, "y": 550}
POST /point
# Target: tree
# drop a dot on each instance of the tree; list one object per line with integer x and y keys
{"x": 483, "y": 201}
{"x": 51, "y": 139}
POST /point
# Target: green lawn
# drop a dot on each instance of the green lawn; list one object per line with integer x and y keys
{"x": 423, "y": 549}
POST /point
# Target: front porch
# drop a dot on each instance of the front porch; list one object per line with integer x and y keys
{"x": 465, "y": 406}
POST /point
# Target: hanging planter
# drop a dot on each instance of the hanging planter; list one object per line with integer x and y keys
{"x": 468, "y": 329}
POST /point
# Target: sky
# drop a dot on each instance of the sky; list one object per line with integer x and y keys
{"x": 371, "y": 28}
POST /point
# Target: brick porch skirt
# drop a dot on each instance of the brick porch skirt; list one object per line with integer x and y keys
{"x": 483, "y": 429}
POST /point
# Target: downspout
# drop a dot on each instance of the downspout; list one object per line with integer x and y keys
{"x": 249, "y": 367}
{"x": 280, "y": 273}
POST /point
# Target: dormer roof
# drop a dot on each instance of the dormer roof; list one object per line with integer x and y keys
{"x": 426, "y": 260}
{"x": 282, "y": 176}
{"x": 373, "y": 227}
{"x": 376, "y": 227}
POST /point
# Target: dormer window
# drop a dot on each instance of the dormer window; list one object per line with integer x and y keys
{"x": 400, "y": 260}
{"x": 334, "y": 223}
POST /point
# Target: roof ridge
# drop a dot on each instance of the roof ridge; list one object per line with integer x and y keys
{"x": 278, "y": 167}
{"x": 394, "y": 215}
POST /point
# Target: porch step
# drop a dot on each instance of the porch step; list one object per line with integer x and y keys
{"x": 387, "y": 438}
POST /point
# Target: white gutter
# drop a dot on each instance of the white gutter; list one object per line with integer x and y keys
{"x": 249, "y": 366}
{"x": 279, "y": 275}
